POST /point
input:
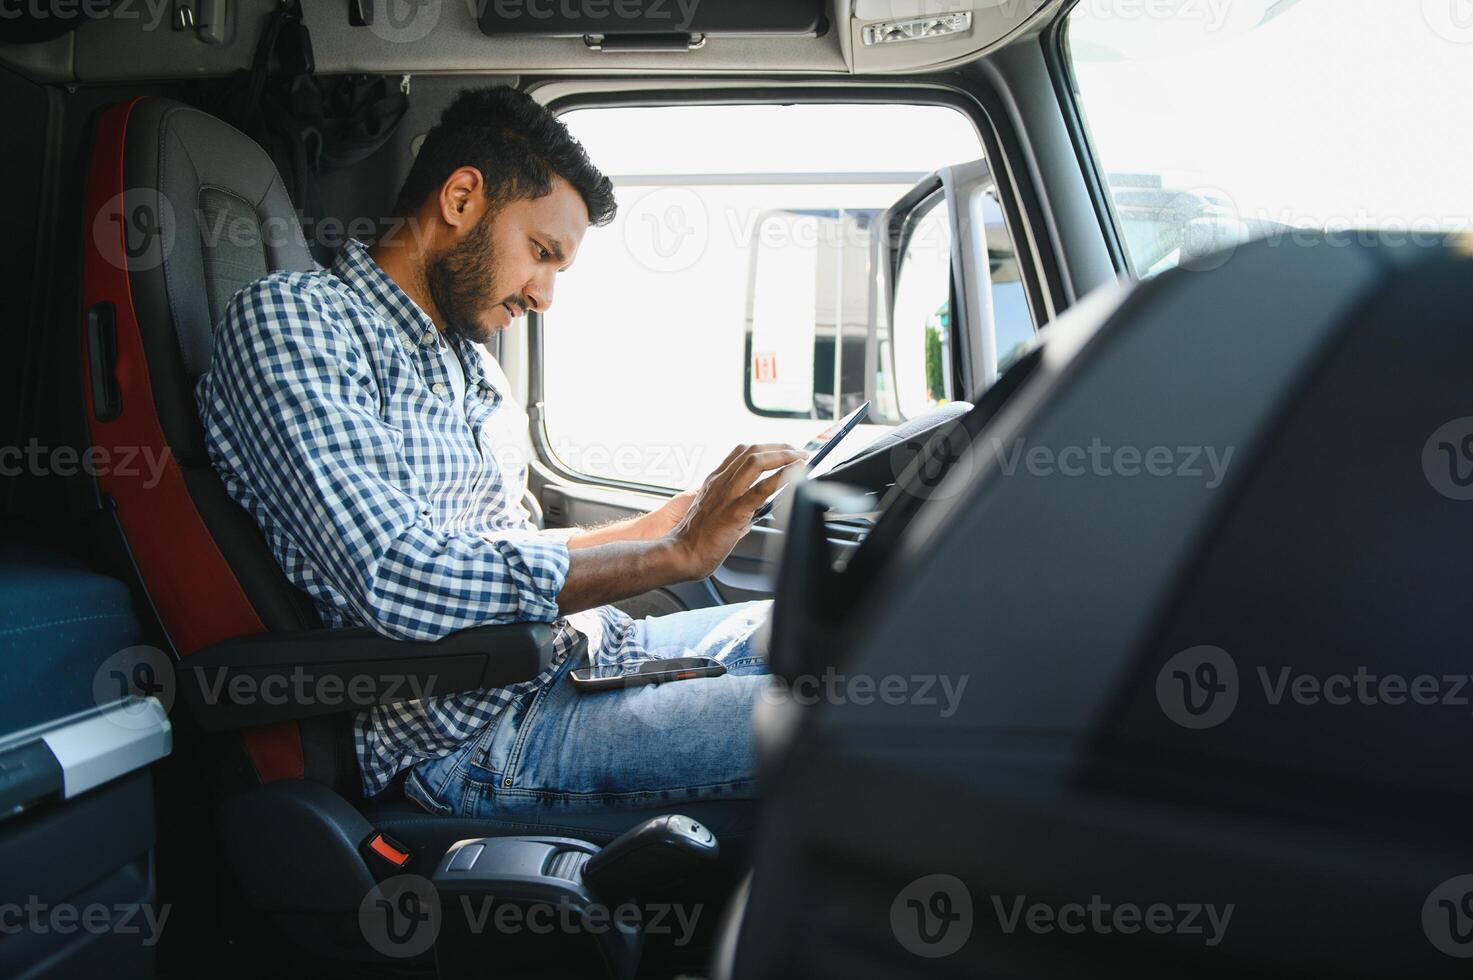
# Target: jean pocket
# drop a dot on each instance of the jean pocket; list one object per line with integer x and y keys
{"x": 487, "y": 757}
{"x": 496, "y": 760}
{"x": 416, "y": 790}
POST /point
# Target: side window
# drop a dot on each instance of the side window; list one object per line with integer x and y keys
{"x": 739, "y": 295}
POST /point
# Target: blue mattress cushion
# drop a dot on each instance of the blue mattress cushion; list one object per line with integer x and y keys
{"x": 59, "y": 621}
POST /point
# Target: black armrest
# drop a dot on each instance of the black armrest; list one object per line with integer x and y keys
{"x": 275, "y": 677}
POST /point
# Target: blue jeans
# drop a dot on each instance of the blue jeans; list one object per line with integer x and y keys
{"x": 554, "y": 751}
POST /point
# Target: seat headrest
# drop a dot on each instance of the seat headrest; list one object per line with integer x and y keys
{"x": 223, "y": 220}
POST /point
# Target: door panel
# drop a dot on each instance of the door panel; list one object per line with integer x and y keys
{"x": 79, "y": 730}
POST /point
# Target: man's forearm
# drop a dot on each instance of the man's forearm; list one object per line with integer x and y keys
{"x": 604, "y": 573}
{"x": 629, "y": 529}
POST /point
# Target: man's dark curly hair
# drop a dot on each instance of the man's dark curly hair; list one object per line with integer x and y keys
{"x": 516, "y": 144}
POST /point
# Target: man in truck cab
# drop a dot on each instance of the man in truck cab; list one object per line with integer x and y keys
{"x": 346, "y": 410}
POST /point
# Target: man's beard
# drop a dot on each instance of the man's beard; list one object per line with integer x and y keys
{"x": 460, "y": 281}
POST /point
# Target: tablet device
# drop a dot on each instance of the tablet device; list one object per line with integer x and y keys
{"x": 824, "y": 442}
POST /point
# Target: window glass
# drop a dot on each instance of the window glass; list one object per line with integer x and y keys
{"x": 1012, "y": 320}
{"x": 1218, "y": 122}
{"x": 733, "y": 298}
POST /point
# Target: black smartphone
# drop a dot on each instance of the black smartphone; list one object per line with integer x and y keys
{"x": 649, "y": 672}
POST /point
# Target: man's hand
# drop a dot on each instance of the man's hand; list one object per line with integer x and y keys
{"x": 707, "y": 524}
{"x": 720, "y": 512}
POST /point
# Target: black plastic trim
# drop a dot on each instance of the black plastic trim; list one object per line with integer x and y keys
{"x": 102, "y": 360}
{"x": 1066, "y": 86}
{"x": 1031, "y": 228}
{"x": 29, "y": 773}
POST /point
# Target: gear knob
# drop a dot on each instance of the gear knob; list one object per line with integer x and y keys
{"x": 657, "y": 854}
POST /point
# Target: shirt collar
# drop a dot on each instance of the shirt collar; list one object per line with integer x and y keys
{"x": 358, "y": 269}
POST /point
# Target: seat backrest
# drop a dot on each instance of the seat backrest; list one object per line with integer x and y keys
{"x": 183, "y": 211}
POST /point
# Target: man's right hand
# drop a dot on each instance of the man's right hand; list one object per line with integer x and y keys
{"x": 721, "y": 513}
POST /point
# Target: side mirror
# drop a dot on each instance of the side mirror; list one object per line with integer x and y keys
{"x": 893, "y": 307}
{"x": 920, "y": 305}
{"x": 812, "y": 347}
{"x": 936, "y": 255}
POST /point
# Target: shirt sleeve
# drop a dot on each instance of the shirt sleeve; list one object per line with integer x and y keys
{"x": 291, "y": 411}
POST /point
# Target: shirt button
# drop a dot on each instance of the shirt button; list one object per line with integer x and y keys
{"x": 429, "y": 337}
{"x": 406, "y": 343}
{"x": 438, "y": 388}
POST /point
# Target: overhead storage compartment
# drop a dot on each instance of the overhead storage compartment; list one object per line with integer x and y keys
{"x": 609, "y": 18}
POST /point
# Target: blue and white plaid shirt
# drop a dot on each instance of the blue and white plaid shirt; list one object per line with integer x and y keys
{"x": 330, "y": 416}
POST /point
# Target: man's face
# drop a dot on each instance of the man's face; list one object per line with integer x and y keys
{"x": 505, "y": 261}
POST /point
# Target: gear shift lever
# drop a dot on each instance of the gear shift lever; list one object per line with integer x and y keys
{"x": 659, "y": 853}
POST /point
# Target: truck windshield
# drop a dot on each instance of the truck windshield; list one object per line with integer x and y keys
{"x": 1215, "y": 121}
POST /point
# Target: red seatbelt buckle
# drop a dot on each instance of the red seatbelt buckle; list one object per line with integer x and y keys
{"x": 381, "y": 849}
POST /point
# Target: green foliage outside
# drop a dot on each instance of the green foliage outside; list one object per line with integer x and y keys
{"x": 935, "y": 370}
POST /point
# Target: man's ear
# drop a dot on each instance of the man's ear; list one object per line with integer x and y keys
{"x": 461, "y": 198}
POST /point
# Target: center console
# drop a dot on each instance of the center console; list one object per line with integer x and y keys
{"x": 330, "y": 883}
{"x": 539, "y": 906}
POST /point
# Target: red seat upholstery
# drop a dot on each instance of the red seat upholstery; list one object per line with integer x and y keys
{"x": 148, "y": 258}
